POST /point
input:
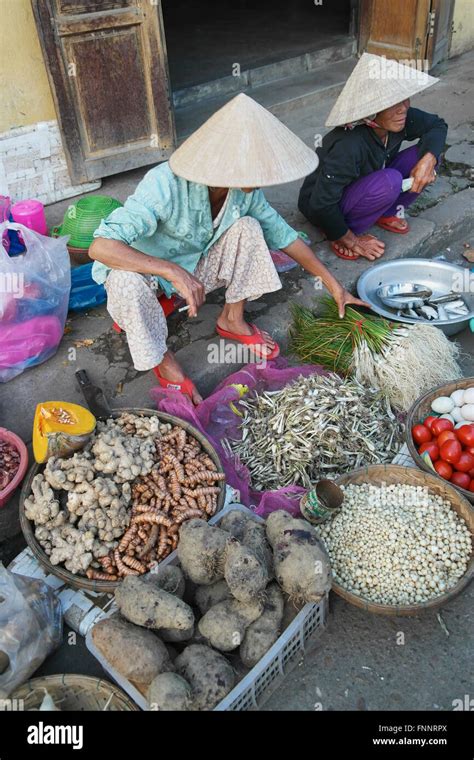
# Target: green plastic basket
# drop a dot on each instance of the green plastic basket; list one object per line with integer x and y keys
{"x": 82, "y": 219}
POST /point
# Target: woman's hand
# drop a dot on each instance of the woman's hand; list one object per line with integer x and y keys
{"x": 423, "y": 173}
{"x": 343, "y": 298}
{"x": 189, "y": 287}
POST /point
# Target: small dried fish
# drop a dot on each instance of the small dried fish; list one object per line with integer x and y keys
{"x": 316, "y": 426}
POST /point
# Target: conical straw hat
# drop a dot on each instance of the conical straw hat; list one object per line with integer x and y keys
{"x": 376, "y": 83}
{"x": 243, "y": 145}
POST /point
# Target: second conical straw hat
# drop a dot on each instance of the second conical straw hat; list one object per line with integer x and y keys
{"x": 243, "y": 145}
{"x": 376, "y": 83}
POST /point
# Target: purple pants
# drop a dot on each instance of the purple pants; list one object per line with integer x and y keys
{"x": 379, "y": 193}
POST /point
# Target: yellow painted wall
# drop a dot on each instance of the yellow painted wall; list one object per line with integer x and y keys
{"x": 25, "y": 93}
{"x": 463, "y": 27}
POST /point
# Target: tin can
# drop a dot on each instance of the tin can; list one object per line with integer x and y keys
{"x": 321, "y": 502}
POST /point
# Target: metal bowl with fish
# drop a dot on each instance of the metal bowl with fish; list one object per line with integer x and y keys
{"x": 420, "y": 291}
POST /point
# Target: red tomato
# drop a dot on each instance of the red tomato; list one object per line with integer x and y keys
{"x": 446, "y": 435}
{"x": 471, "y": 473}
{"x": 451, "y": 451}
{"x": 471, "y": 485}
{"x": 444, "y": 469}
{"x": 429, "y": 421}
{"x": 465, "y": 434}
{"x": 439, "y": 425}
{"x": 431, "y": 448}
{"x": 421, "y": 434}
{"x": 469, "y": 450}
{"x": 464, "y": 463}
{"x": 461, "y": 479}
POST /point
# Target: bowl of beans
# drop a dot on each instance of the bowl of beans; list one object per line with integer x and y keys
{"x": 13, "y": 464}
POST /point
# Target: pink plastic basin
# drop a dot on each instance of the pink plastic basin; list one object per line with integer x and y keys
{"x": 14, "y": 440}
{"x": 31, "y": 214}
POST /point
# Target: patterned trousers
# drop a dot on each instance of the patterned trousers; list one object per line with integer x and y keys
{"x": 239, "y": 261}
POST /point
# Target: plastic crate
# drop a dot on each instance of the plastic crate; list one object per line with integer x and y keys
{"x": 256, "y": 687}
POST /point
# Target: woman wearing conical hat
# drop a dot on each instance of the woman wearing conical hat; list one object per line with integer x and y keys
{"x": 363, "y": 178}
{"x": 200, "y": 222}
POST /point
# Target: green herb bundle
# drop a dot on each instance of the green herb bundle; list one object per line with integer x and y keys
{"x": 403, "y": 361}
{"x": 330, "y": 341}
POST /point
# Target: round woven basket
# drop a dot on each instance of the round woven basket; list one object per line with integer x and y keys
{"x": 376, "y": 475}
{"x": 71, "y": 692}
{"x": 420, "y": 410}
{"x": 79, "y": 581}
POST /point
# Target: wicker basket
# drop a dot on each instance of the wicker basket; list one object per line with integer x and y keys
{"x": 79, "y": 581}
{"x": 420, "y": 410}
{"x": 71, "y": 692}
{"x": 378, "y": 474}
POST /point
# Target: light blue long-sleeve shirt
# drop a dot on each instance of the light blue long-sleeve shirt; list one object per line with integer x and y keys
{"x": 170, "y": 218}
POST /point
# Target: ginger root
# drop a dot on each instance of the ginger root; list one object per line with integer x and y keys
{"x": 41, "y": 506}
{"x": 64, "y": 474}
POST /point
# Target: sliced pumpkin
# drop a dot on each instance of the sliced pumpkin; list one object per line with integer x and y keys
{"x": 60, "y": 428}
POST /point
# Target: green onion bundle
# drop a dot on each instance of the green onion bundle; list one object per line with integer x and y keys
{"x": 329, "y": 340}
{"x": 403, "y": 361}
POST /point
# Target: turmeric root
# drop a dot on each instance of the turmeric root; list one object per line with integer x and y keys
{"x": 151, "y": 541}
{"x": 96, "y": 575}
{"x": 156, "y": 518}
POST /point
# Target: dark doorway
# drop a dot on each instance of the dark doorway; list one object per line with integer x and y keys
{"x": 205, "y": 39}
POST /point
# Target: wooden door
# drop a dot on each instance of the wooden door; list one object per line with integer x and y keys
{"x": 439, "y": 36}
{"x": 107, "y": 67}
{"x": 396, "y": 29}
{"x": 407, "y": 30}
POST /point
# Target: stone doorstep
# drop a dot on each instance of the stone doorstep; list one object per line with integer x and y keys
{"x": 267, "y": 74}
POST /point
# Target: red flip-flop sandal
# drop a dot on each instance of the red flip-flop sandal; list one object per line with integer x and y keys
{"x": 343, "y": 255}
{"x": 387, "y": 223}
{"x": 253, "y": 341}
{"x": 186, "y": 387}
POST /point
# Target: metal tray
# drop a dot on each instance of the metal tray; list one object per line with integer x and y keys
{"x": 440, "y": 276}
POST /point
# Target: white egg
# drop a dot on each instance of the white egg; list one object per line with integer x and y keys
{"x": 468, "y": 396}
{"x": 468, "y": 412}
{"x": 456, "y": 414}
{"x": 448, "y": 417}
{"x": 442, "y": 405}
{"x": 458, "y": 397}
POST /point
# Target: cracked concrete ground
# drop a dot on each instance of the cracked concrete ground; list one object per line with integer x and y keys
{"x": 357, "y": 663}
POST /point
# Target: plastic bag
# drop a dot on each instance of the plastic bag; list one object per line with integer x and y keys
{"x": 34, "y": 296}
{"x": 85, "y": 292}
{"x": 31, "y": 627}
{"x": 215, "y": 418}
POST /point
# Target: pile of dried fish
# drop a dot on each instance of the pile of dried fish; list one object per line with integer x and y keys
{"x": 315, "y": 427}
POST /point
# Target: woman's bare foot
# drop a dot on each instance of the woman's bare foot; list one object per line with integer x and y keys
{"x": 170, "y": 370}
{"x": 393, "y": 223}
{"x": 232, "y": 320}
{"x": 345, "y": 251}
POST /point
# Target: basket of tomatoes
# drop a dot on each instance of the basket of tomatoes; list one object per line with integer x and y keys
{"x": 440, "y": 433}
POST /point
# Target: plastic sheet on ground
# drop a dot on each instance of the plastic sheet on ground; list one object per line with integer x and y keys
{"x": 216, "y": 419}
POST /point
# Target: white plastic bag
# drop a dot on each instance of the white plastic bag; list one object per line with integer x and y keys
{"x": 31, "y": 627}
{"x": 34, "y": 297}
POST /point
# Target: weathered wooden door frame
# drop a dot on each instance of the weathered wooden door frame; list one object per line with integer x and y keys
{"x": 52, "y": 28}
{"x": 364, "y": 12}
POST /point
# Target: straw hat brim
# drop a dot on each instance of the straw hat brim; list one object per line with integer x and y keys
{"x": 243, "y": 145}
{"x": 376, "y": 83}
